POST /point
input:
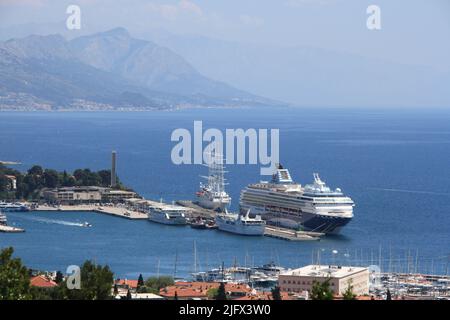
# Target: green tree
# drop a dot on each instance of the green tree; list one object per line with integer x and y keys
{"x": 51, "y": 178}
{"x": 140, "y": 282}
{"x": 321, "y": 290}
{"x": 348, "y": 293}
{"x": 14, "y": 277}
{"x": 96, "y": 283}
{"x": 4, "y": 183}
{"x": 388, "y": 295}
{"x": 276, "y": 294}
{"x": 59, "y": 277}
{"x": 36, "y": 170}
{"x": 221, "y": 294}
{"x": 154, "y": 284}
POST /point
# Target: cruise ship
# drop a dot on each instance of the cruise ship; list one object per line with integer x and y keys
{"x": 212, "y": 195}
{"x": 241, "y": 224}
{"x": 282, "y": 202}
{"x": 167, "y": 214}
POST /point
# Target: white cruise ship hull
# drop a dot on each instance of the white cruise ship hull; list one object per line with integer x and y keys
{"x": 306, "y": 221}
{"x": 212, "y": 205}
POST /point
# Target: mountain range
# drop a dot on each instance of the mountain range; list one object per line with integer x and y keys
{"x": 106, "y": 70}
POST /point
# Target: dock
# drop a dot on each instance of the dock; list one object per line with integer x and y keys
{"x": 291, "y": 235}
{"x": 121, "y": 212}
{"x": 196, "y": 210}
{"x": 9, "y": 229}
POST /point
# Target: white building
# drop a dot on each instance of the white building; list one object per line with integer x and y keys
{"x": 340, "y": 277}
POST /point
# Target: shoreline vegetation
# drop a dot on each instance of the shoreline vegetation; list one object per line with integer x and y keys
{"x": 97, "y": 282}
{"x": 16, "y": 185}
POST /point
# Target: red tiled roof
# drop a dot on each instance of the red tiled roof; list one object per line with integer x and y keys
{"x": 42, "y": 282}
{"x": 130, "y": 283}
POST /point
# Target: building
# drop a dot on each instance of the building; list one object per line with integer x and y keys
{"x": 41, "y": 281}
{"x": 73, "y": 195}
{"x": 340, "y": 277}
{"x": 199, "y": 290}
{"x": 12, "y": 182}
{"x": 126, "y": 284}
{"x": 83, "y": 195}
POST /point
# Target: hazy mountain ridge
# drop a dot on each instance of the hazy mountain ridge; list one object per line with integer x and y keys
{"x": 106, "y": 70}
{"x": 312, "y": 76}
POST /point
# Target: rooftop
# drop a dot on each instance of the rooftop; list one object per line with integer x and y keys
{"x": 42, "y": 282}
{"x": 324, "y": 271}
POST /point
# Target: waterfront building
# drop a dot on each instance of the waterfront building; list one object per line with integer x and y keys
{"x": 199, "y": 290}
{"x": 12, "y": 182}
{"x": 340, "y": 277}
{"x": 88, "y": 194}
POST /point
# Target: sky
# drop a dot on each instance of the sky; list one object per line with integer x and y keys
{"x": 413, "y": 31}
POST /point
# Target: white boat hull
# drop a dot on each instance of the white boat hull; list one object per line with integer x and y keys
{"x": 178, "y": 221}
{"x": 238, "y": 228}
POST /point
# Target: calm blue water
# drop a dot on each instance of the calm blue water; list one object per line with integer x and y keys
{"x": 393, "y": 163}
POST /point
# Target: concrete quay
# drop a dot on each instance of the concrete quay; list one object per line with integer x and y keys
{"x": 291, "y": 235}
{"x": 117, "y": 211}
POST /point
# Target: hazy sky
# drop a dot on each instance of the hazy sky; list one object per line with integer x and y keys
{"x": 413, "y": 31}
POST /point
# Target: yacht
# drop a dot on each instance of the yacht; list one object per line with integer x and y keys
{"x": 241, "y": 224}
{"x": 212, "y": 195}
{"x": 13, "y": 207}
{"x": 167, "y": 214}
{"x": 282, "y": 202}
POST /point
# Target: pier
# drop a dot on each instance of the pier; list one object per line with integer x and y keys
{"x": 291, "y": 235}
{"x": 196, "y": 210}
{"x": 117, "y": 211}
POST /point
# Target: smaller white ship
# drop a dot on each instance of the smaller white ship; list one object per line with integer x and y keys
{"x": 241, "y": 224}
{"x": 168, "y": 214}
{"x": 13, "y": 207}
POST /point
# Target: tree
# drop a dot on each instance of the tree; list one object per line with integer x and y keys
{"x": 116, "y": 290}
{"x": 96, "y": 283}
{"x": 36, "y": 171}
{"x": 321, "y": 290}
{"x": 276, "y": 294}
{"x": 59, "y": 277}
{"x": 221, "y": 294}
{"x": 129, "y": 295}
{"x": 388, "y": 295}
{"x": 348, "y": 293}
{"x": 14, "y": 277}
{"x": 140, "y": 281}
{"x": 175, "y": 296}
{"x": 154, "y": 284}
{"x": 51, "y": 178}
{"x": 4, "y": 183}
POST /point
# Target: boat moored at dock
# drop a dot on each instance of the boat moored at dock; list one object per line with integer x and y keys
{"x": 167, "y": 214}
{"x": 13, "y": 207}
{"x": 284, "y": 203}
{"x": 212, "y": 195}
{"x": 241, "y": 224}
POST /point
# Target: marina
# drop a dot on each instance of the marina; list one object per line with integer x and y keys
{"x": 130, "y": 244}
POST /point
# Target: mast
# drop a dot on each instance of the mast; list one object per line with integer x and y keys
{"x": 216, "y": 171}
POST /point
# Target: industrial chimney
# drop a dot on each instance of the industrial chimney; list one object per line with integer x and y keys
{"x": 113, "y": 169}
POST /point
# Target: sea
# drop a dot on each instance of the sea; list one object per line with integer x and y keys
{"x": 394, "y": 163}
